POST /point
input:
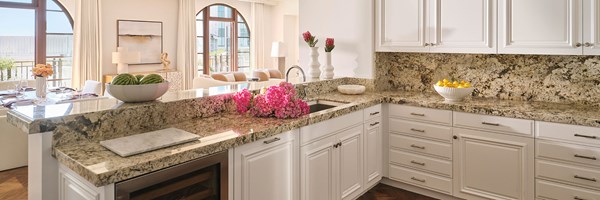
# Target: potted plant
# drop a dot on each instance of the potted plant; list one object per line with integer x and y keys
{"x": 6, "y": 64}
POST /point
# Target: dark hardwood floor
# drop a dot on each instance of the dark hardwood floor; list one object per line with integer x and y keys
{"x": 385, "y": 192}
{"x": 13, "y": 184}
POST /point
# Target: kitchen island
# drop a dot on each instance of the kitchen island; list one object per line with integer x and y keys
{"x": 71, "y": 137}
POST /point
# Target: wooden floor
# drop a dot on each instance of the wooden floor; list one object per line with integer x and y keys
{"x": 13, "y": 186}
{"x": 385, "y": 192}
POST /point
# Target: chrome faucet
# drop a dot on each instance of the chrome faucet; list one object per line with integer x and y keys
{"x": 287, "y": 73}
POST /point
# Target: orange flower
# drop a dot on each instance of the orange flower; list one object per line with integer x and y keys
{"x": 42, "y": 70}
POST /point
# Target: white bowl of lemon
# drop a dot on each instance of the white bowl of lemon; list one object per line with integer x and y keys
{"x": 453, "y": 91}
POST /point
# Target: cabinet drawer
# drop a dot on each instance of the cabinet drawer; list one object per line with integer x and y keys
{"x": 328, "y": 127}
{"x": 493, "y": 123}
{"x": 572, "y": 174}
{"x": 422, "y": 179}
{"x": 574, "y": 133}
{"x": 557, "y": 191}
{"x": 568, "y": 152}
{"x": 442, "y": 167}
{"x": 420, "y": 129}
{"x": 421, "y": 114}
{"x": 372, "y": 112}
{"x": 421, "y": 145}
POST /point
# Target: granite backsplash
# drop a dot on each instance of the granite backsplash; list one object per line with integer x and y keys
{"x": 563, "y": 79}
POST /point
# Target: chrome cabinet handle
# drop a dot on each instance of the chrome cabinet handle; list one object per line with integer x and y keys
{"x": 585, "y": 136}
{"x": 417, "y": 163}
{"x": 418, "y": 114}
{"x": 336, "y": 145}
{"x": 584, "y": 178}
{"x": 585, "y": 157}
{"x": 417, "y": 146}
{"x": 374, "y": 124}
{"x": 491, "y": 124}
{"x": 272, "y": 140}
{"x": 587, "y": 44}
{"x": 578, "y": 44}
{"x": 433, "y": 44}
{"x": 374, "y": 113}
{"x": 416, "y": 179}
{"x": 417, "y": 130}
{"x": 426, "y": 44}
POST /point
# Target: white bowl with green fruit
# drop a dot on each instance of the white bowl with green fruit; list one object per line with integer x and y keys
{"x": 133, "y": 89}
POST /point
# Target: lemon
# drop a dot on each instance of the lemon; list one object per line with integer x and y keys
{"x": 439, "y": 83}
{"x": 462, "y": 82}
{"x": 445, "y": 81}
{"x": 460, "y": 86}
{"x": 455, "y": 83}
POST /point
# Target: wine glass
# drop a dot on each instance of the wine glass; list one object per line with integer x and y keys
{"x": 24, "y": 84}
{"x": 61, "y": 87}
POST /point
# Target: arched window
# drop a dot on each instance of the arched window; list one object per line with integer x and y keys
{"x": 23, "y": 42}
{"x": 223, "y": 40}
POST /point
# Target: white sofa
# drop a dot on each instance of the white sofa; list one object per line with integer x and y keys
{"x": 204, "y": 81}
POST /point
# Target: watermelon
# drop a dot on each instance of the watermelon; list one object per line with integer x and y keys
{"x": 124, "y": 79}
{"x": 152, "y": 79}
{"x": 139, "y": 77}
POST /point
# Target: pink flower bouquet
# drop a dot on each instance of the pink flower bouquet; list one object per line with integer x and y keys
{"x": 278, "y": 101}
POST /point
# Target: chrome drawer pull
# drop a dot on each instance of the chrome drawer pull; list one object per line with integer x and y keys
{"x": 418, "y": 114}
{"x": 585, "y": 136}
{"x": 374, "y": 113}
{"x": 417, "y": 163}
{"x": 584, "y": 178}
{"x": 491, "y": 124}
{"x": 585, "y": 157}
{"x": 416, "y": 146}
{"x": 374, "y": 124}
{"x": 416, "y": 179}
{"x": 578, "y": 198}
{"x": 271, "y": 140}
{"x": 417, "y": 130}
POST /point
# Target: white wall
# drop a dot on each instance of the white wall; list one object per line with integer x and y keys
{"x": 284, "y": 27}
{"x": 350, "y": 22}
{"x": 164, "y": 11}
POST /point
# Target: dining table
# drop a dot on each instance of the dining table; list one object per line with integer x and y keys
{"x": 10, "y": 98}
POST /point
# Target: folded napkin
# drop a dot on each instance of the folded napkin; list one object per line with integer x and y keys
{"x": 10, "y": 104}
{"x": 57, "y": 90}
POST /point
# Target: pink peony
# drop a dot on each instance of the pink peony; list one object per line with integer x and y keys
{"x": 279, "y": 101}
{"x": 242, "y": 101}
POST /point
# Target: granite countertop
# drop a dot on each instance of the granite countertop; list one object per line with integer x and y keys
{"x": 226, "y": 130}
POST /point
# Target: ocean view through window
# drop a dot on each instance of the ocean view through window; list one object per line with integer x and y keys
{"x": 18, "y": 34}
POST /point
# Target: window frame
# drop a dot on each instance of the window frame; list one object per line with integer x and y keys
{"x": 206, "y": 19}
{"x": 40, "y": 32}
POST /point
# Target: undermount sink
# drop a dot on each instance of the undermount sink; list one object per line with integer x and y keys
{"x": 319, "y": 105}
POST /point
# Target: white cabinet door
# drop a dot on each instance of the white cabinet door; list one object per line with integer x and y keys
{"x": 267, "y": 169}
{"x": 591, "y": 28}
{"x": 373, "y": 152}
{"x": 463, "y": 26}
{"x": 13, "y": 145}
{"x": 540, "y": 27}
{"x": 351, "y": 163}
{"x": 401, "y": 25}
{"x": 318, "y": 169}
{"x": 493, "y": 166}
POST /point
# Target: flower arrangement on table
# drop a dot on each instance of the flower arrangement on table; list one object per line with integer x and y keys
{"x": 42, "y": 70}
{"x": 310, "y": 39}
{"x": 329, "y": 45}
{"x": 278, "y": 101}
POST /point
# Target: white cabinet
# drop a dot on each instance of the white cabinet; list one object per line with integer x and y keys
{"x": 540, "y": 26}
{"x": 492, "y": 165}
{"x": 332, "y": 168}
{"x": 74, "y": 187}
{"x": 268, "y": 168}
{"x": 373, "y": 152}
{"x": 436, "y": 26}
{"x": 591, "y": 27}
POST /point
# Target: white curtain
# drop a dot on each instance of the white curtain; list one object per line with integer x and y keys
{"x": 86, "y": 53}
{"x": 186, "y": 42}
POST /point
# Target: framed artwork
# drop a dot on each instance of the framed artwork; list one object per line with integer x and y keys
{"x": 141, "y": 36}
